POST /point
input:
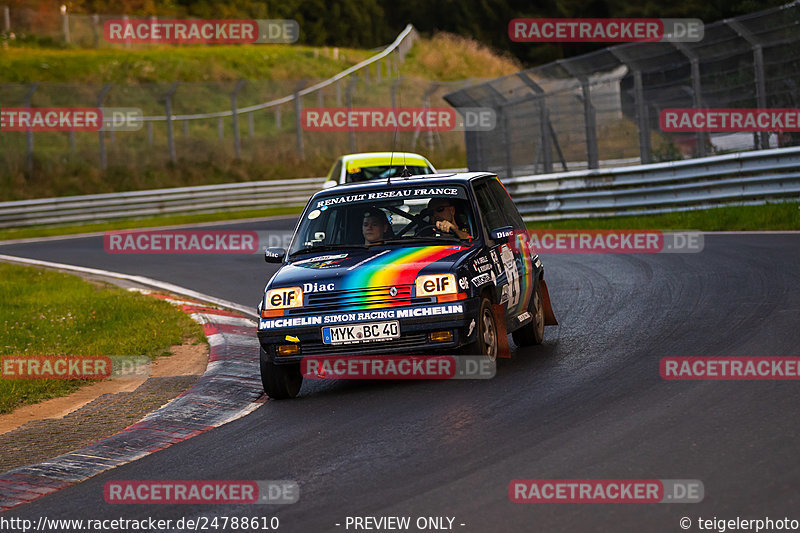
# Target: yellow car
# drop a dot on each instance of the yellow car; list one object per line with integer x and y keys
{"x": 354, "y": 168}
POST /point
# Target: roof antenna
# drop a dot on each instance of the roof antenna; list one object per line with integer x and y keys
{"x": 405, "y": 172}
{"x": 391, "y": 158}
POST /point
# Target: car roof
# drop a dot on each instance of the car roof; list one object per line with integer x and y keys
{"x": 384, "y": 157}
{"x": 421, "y": 180}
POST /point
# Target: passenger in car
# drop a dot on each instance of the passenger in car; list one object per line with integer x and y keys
{"x": 375, "y": 226}
{"x": 443, "y": 216}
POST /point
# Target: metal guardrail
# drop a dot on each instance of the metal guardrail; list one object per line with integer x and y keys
{"x": 202, "y": 199}
{"x": 741, "y": 178}
{"x": 408, "y": 33}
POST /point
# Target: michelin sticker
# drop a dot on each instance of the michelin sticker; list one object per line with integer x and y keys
{"x": 360, "y": 316}
{"x": 481, "y": 279}
{"x": 313, "y": 214}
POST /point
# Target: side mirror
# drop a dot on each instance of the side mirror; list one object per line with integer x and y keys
{"x": 328, "y": 184}
{"x": 274, "y": 255}
{"x": 499, "y": 234}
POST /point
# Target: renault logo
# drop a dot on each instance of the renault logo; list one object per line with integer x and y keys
{"x": 393, "y": 291}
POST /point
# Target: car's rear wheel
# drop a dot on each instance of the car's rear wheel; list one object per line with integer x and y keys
{"x": 533, "y": 331}
{"x": 280, "y": 381}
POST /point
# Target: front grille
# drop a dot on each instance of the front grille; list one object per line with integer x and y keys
{"x": 406, "y": 342}
{"x": 346, "y": 300}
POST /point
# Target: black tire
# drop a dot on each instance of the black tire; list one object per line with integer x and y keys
{"x": 487, "y": 342}
{"x": 280, "y": 382}
{"x": 532, "y": 332}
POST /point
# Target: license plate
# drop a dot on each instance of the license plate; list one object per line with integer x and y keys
{"x": 369, "y": 332}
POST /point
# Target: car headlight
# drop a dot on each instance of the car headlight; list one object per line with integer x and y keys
{"x": 276, "y": 300}
{"x": 436, "y": 284}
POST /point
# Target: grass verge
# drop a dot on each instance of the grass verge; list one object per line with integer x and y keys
{"x": 149, "y": 222}
{"x": 783, "y": 216}
{"x": 51, "y": 313}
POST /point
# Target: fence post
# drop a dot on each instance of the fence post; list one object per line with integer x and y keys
{"x": 6, "y": 19}
{"x": 758, "y": 68}
{"x": 96, "y": 30}
{"x": 338, "y": 93}
{"x": 125, "y": 24}
{"x": 220, "y": 129}
{"x": 642, "y": 118}
{"x": 395, "y": 84}
{"x": 427, "y": 105}
{"x": 149, "y": 134}
{"x": 278, "y": 117}
{"x": 237, "y": 144}
{"x": 641, "y": 112}
{"x": 65, "y": 23}
{"x": 350, "y": 88}
{"x": 590, "y": 126}
{"x": 250, "y": 125}
{"x": 168, "y": 109}
{"x": 546, "y": 134}
{"x": 697, "y": 96}
{"x": 29, "y": 133}
{"x": 100, "y": 97}
{"x": 298, "y": 110}
{"x": 589, "y": 114}
{"x": 320, "y": 98}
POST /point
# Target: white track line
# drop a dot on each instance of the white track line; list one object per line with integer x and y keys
{"x": 154, "y": 228}
{"x": 183, "y": 291}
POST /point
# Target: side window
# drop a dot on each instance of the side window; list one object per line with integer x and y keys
{"x": 490, "y": 212}
{"x": 506, "y": 205}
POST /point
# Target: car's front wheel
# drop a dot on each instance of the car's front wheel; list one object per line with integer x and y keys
{"x": 533, "y": 331}
{"x": 487, "y": 341}
{"x": 280, "y": 381}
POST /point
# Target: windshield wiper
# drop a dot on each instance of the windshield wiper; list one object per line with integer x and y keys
{"x": 325, "y": 248}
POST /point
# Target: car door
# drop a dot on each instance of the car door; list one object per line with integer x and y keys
{"x": 509, "y": 250}
{"x": 492, "y": 219}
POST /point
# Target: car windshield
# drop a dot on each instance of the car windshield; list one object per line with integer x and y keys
{"x": 358, "y": 174}
{"x": 393, "y": 216}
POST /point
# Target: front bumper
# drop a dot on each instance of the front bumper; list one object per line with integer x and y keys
{"x": 414, "y": 331}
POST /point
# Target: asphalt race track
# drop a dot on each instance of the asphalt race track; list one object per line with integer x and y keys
{"x": 589, "y": 403}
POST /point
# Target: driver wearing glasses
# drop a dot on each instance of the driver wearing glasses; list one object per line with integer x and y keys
{"x": 443, "y": 216}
